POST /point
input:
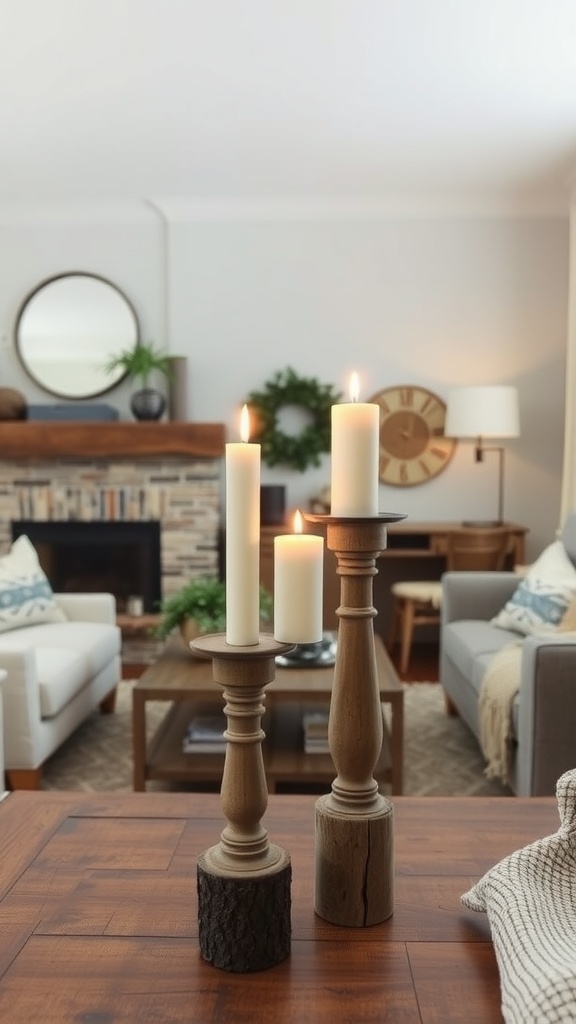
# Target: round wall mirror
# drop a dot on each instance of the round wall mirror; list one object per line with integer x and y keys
{"x": 68, "y": 328}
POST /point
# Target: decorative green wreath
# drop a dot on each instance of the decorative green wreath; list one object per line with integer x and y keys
{"x": 303, "y": 449}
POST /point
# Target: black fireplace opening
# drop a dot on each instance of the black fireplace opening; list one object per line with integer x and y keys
{"x": 121, "y": 558}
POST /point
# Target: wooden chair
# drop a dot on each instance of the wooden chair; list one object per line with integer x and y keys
{"x": 418, "y": 602}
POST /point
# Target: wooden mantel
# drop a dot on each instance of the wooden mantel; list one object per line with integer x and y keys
{"x": 113, "y": 439}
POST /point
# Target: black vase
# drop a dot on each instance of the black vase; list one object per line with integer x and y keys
{"x": 147, "y": 404}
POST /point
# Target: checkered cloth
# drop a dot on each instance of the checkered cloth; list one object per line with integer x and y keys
{"x": 530, "y": 899}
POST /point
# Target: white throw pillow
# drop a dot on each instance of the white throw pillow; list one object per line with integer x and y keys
{"x": 539, "y": 602}
{"x": 554, "y": 565}
{"x": 26, "y": 596}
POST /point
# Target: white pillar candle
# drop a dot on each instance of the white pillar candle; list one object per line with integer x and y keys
{"x": 355, "y": 456}
{"x": 298, "y": 584}
{"x": 243, "y": 539}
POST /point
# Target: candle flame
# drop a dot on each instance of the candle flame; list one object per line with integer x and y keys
{"x": 244, "y": 424}
{"x": 354, "y": 387}
{"x": 298, "y": 521}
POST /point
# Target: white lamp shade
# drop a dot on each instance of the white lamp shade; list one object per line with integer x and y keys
{"x": 482, "y": 412}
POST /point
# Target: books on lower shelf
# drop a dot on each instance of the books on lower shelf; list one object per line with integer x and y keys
{"x": 205, "y": 734}
{"x": 315, "y": 724}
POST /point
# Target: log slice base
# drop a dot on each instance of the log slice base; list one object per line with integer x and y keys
{"x": 244, "y": 921}
{"x": 354, "y": 865}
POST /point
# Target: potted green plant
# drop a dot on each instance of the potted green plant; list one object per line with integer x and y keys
{"x": 141, "y": 362}
{"x": 200, "y": 607}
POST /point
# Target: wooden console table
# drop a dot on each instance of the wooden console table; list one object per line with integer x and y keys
{"x": 422, "y": 540}
{"x": 100, "y": 917}
{"x": 415, "y": 550}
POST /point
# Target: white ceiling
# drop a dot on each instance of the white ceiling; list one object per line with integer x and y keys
{"x": 467, "y": 104}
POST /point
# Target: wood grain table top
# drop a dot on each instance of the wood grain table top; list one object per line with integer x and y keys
{"x": 176, "y": 674}
{"x": 98, "y": 914}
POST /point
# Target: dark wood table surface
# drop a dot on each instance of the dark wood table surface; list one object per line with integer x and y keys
{"x": 98, "y": 915}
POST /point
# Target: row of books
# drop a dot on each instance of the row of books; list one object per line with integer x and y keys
{"x": 315, "y": 725}
{"x": 92, "y": 504}
{"x": 205, "y": 733}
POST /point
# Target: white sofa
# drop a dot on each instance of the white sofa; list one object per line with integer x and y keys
{"x": 57, "y": 674}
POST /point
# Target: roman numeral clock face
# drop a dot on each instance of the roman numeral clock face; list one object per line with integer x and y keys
{"x": 413, "y": 448}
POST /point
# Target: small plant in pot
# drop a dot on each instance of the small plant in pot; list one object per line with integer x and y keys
{"x": 200, "y": 607}
{"x": 141, "y": 363}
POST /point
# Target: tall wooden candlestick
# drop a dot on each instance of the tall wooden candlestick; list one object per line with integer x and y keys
{"x": 354, "y": 863}
{"x": 243, "y": 881}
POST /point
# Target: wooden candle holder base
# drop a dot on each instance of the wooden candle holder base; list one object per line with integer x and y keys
{"x": 354, "y": 885}
{"x": 354, "y": 857}
{"x": 243, "y": 881}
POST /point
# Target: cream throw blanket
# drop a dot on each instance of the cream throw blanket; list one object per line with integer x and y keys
{"x": 499, "y": 686}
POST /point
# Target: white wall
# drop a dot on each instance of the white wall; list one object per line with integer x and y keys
{"x": 437, "y": 302}
{"x": 121, "y": 243}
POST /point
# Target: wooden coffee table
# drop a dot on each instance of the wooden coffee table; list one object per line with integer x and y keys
{"x": 187, "y": 683}
{"x": 99, "y": 910}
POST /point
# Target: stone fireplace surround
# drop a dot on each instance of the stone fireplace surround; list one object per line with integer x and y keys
{"x": 103, "y": 472}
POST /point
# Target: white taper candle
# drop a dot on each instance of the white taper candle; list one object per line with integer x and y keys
{"x": 243, "y": 539}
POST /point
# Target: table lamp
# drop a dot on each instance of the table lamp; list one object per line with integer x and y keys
{"x": 480, "y": 413}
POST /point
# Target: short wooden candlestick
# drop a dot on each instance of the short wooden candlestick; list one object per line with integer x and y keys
{"x": 243, "y": 881}
{"x": 354, "y": 861}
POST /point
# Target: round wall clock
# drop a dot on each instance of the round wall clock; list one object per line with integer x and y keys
{"x": 413, "y": 448}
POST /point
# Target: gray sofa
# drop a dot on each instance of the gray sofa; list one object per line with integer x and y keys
{"x": 544, "y": 710}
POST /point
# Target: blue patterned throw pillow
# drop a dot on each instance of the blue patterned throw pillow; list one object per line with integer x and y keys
{"x": 26, "y": 596}
{"x": 536, "y": 606}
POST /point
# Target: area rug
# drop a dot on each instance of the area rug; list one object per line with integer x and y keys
{"x": 441, "y": 757}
